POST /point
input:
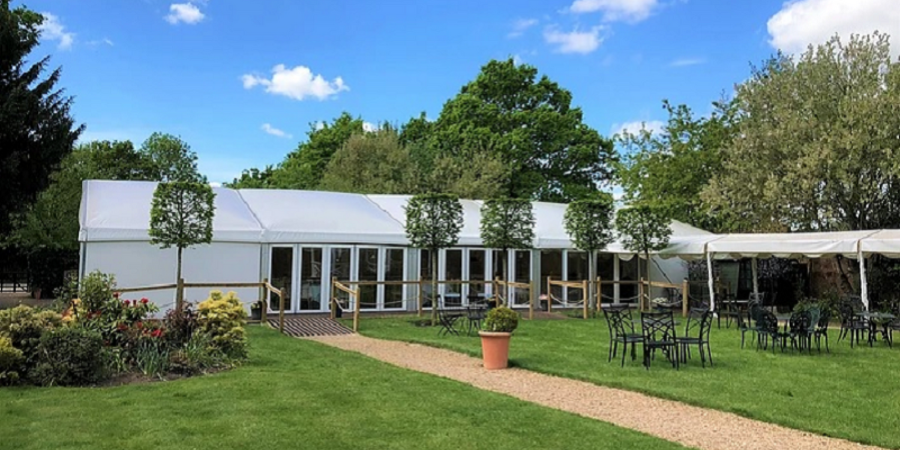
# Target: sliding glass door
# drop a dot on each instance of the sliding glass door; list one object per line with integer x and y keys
{"x": 281, "y": 275}
{"x": 311, "y": 280}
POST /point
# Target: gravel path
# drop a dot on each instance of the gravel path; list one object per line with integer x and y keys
{"x": 689, "y": 425}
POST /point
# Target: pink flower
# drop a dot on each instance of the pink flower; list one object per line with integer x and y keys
{"x": 116, "y": 295}
{"x": 144, "y": 301}
{"x": 127, "y": 302}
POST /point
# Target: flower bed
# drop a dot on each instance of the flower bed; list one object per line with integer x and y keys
{"x": 101, "y": 337}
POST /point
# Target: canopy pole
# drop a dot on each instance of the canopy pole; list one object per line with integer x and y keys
{"x": 712, "y": 289}
{"x": 863, "y": 288}
{"x": 755, "y": 270}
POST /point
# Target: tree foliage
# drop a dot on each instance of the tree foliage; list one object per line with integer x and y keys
{"x": 507, "y": 223}
{"x": 171, "y": 159}
{"x": 817, "y": 143}
{"x": 644, "y": 228}
{"x": 36, "y": 128}
{"x": 672, "y": 166}
{"x": 181, "y": 216}
{"x": 254, "y": 178}
{"x": 371, "y": 163}
{"x": 303, "y": 168}
{"x": 530, "y": 125}
{"x": 589, "y": 225}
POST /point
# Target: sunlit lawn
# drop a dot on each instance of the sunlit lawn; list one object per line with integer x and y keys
{"x": 297, "y": 394}
{"x": 850, "y": 393}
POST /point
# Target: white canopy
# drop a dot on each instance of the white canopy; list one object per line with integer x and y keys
{"x": 788, "y": 245}
{"x": 314, "y": 217}
{"x": 120, "y": 211}
{"x": 469, "y": 235}
{"x": 884, "y": 242}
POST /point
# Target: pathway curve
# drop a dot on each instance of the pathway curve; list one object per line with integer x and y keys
{"x": 674, "y": 421}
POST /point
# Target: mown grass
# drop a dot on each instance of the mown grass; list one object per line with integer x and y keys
{"x": 297, "y": 394}
{"x": 850, "y": 393}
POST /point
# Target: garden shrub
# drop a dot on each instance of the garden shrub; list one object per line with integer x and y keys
{"x": 69, "y": 356}
{"x": 12, "y": 361}
{"x": 501, "y": 319}
{"x": 96, "y": 290}
{"x": 222, "y": 317}
{"x": 24, "y": 325}
{"x": 196, "y": 355}
{"x": 180, "y": 325}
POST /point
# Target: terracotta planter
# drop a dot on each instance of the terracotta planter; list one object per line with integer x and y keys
{"x": 495, "y": 349}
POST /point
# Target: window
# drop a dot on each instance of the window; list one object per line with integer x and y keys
{"x": 368, "y": 271}
{"x": 551, "y": 267}
{"x": 576, "y": 270}
{"x": 340, "y": 269}
{"x": 522, "y": 275}
{"x": 453, "y": 272}
{"x": 282, "y": 275}
{"x": 477, "y": 266}
{"x": 628, "y": 272}
{"x": 606, "y": 263}
{"x": 394, "y": 264}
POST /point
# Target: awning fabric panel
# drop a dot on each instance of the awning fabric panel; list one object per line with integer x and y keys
{"x": 788, "y": 245}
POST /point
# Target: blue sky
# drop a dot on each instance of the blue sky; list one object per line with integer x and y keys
{"x": 241, "y": 81}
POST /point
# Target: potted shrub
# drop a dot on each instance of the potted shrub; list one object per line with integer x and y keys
{"x": 256, "y": 310}
{"x": 495, "y": 333}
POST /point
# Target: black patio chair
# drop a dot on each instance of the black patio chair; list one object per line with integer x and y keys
{"x": 729, "y": 310}
{"x": 658, "y": 331}
{"x": 806, "y": 334}
{"x": 766, "y": 328}
{"x": 696, "y": 332}
{"x": 798, "y": 326}
{"x": 822, "y": 330}
{"x": 621, "y": 331}
{"x": 447, "y": 319}
{"x": 852, "y": 325}
{"x": 475, "y": 314}
{"x": 747, "y": 322}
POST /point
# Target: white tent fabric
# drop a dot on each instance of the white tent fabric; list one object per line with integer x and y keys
{"x": 788, "y": 245}
{"x": 313, "y": 217}
{"x": 883, "y": 242}
{"x": 469, "y": 235}
{"x": 120, "y": 211}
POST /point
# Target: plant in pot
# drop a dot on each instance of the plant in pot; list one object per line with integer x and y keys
{"x": 256, "y": 310}
{"x": 495, "y": 332}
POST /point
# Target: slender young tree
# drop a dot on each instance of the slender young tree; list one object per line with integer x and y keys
{"x": 644, "y": 228}
{"x": 433, "y": 222}
{"x": 589, "y": 224}
{"x": 181, "y": 216}
{"x": 507, "y": 224}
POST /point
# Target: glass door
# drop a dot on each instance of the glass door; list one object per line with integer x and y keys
{"x": 281, "y": 275}
{"x": 477, "y": 270}
{"x": 453, "y": 270}
{"x": 341, "y": 268}
{"x": 368, "y": 271}
{"x": 394, "y": 270}
{"x": 576, "y": 270}
{"x": 311, "y": 280}
{"x": 522, "y": 274}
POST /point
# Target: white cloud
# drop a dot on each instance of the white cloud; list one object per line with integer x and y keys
{"x": 53, "y": 30}
{"x": 320, "y": 125}
{"x": 297, "y": 83}
{"x": 187, "y": 13}
{"x": 685, "y": 62}
{"x": 653, "y": 126}
{"x": 804, "y": 22}
{"x": 369, "y": 127}
{"x": 617, "y": 10}
{"x": 575, "y": 41}
{"x": 268, "y": 128}
{"x": 520, "y": 26}
{"x": 104, "y": 41}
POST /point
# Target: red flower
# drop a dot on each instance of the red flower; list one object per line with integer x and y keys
{"x": 139, "y": 325}
{"x": 127, "y": 302}
{"x": 156, "y": 333}
{"x": 122, "y": 327}
{"x": 116, "y": 295}
{"x": 144, "y": 301}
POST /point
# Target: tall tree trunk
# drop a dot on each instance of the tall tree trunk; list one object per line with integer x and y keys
{"x": 504, "y": 264}
{"x": 592, "y": 268}
{"x": 179, "y": 289}
{"x": 649, "y": 286}
{"x": 434, "y": 285}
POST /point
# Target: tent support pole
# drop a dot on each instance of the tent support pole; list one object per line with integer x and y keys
{"x": 712, "y": 289}
{"x": 863, "y": 288}
{"x": 755, "y": 270}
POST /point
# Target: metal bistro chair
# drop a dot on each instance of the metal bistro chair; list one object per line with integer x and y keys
{"x": 475, "y": 314}
{"x": 852, "y": 325}
{"x": 621, "y": 331}
{"x": 447, "y": 319}
{"x": 747, "y": 324}
{"x": 822, "y": 330}
{"x": 658, "y": 331}
{"x": 699, "y": 321}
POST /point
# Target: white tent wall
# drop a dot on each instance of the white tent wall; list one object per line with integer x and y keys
{"x": 138, "y": 264}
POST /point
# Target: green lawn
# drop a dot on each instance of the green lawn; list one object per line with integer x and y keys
{"x": 297, "y": 394}
{"x": 851, "y": 393}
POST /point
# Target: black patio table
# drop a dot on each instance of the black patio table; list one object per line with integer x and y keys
{"x": 875, "y": 319}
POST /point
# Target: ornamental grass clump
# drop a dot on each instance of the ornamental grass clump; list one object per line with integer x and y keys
{"x": 501, "y": 319}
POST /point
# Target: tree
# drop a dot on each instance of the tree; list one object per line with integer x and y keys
{"x": 171, "y": 159}
{"x": 507, "y": 224}
{"x": 36, "y": 128}
{"x": 254, "y": 179}
{"x": 589, "y": 225}
{"x": 371, "y": 163}
{"x": 672, "y": 166}
{"x": 303, "y": 168}
{"x": 644, "y": 228}
{"x": 530, "y": 125}
{"x": 478, "y": 175}
{"x": 816, "y": 145}
{"x": 181, "y": 216}
{"x": 433, "y": 222}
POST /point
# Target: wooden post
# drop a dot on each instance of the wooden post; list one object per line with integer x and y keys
{"x": 530, "y": 301}
{"x": 281, "y": 311}
{"x": 332, "y": 307}
{"x": 599, "y": 295}
{"x": 685, "y": 288}
{"x": 584, "y": 287}
{"x": 265, "y": 302}
{"x": 549, "y": 294}
{"x": 356, "y": 310}
{"x": 421, "y": 293}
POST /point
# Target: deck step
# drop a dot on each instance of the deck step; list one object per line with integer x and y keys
{"x": 300, "y": 326}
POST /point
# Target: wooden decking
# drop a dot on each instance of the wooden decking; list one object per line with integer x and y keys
{"x": 307, "y": 326}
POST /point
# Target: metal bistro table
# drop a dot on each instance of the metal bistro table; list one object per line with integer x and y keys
{"x": 874, "y": 319}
